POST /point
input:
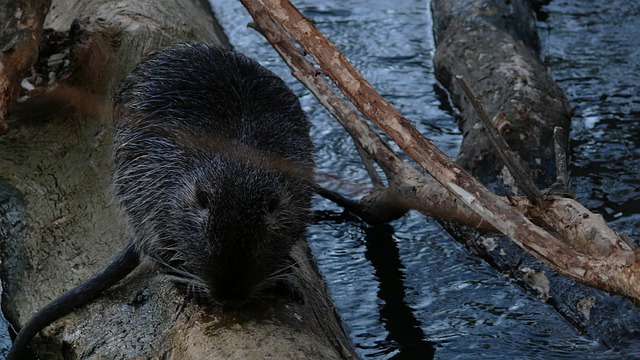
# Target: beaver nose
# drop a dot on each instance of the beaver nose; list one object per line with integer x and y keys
{"x": 231, "y": 295}
{"x": 231, "y": 291}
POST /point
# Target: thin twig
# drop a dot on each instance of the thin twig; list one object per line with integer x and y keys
{"x": 367, "y": 161}
{"x": 561, "y": 186}
{"x": 560, "y": 147}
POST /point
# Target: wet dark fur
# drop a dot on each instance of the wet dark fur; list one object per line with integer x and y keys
{"x": 213, "y": 168}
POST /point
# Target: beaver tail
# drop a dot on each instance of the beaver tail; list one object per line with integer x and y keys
{"x": 119, "y": 267}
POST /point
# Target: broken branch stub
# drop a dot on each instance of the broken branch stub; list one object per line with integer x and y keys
{"x": 511, "y": 160}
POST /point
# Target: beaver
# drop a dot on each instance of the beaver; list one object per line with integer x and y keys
{"x": 213, "y": 168}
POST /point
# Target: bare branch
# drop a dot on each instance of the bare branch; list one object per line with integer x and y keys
{"x": 406, "y": 182}
{"x": 561, "y": 186}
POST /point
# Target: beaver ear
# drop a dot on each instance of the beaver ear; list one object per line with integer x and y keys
{"x": 272, "y": 203}
{"x": 203, "y": 198}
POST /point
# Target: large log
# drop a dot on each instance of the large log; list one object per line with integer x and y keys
{"x": 494, "y": 45}
{"x": 61, "y": 223}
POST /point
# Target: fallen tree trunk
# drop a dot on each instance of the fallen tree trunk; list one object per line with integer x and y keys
{"x": 495, "y": 47}
{"x": 613, "y": 267}
{"x": 62, "y": 224}
{"x": 616, "y": 275}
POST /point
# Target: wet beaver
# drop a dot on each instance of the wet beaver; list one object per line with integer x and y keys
{"x": 213, "y": 167}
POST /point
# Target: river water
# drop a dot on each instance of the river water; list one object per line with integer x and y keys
{"x": 408, "y": 290}
{"x": 593, "y": 51}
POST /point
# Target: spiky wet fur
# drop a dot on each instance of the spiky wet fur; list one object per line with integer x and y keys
{"x": 213, "y": 169}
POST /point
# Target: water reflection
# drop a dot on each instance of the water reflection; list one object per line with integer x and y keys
{"x": 404, "y": 330}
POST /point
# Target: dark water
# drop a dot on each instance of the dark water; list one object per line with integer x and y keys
{"x": 409, "y": 291}
{"x": 593, "y": 51}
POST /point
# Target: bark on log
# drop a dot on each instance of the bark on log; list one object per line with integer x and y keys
{"x": 60, "y": 222}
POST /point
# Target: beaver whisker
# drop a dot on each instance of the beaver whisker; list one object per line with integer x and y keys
{"x": 195, "y": 286}
{"x": 282, "y": 275}
{"x": 192, "y": 287}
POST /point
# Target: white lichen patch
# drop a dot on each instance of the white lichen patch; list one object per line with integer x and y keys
{"x": 538, "y": 282}
{"x": 488, "y": 243}
{"x": 585, "y": 305}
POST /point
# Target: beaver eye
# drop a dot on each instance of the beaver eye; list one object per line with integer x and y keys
{"x": 272, "y": 204}
{"x": 202, "y": 197}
